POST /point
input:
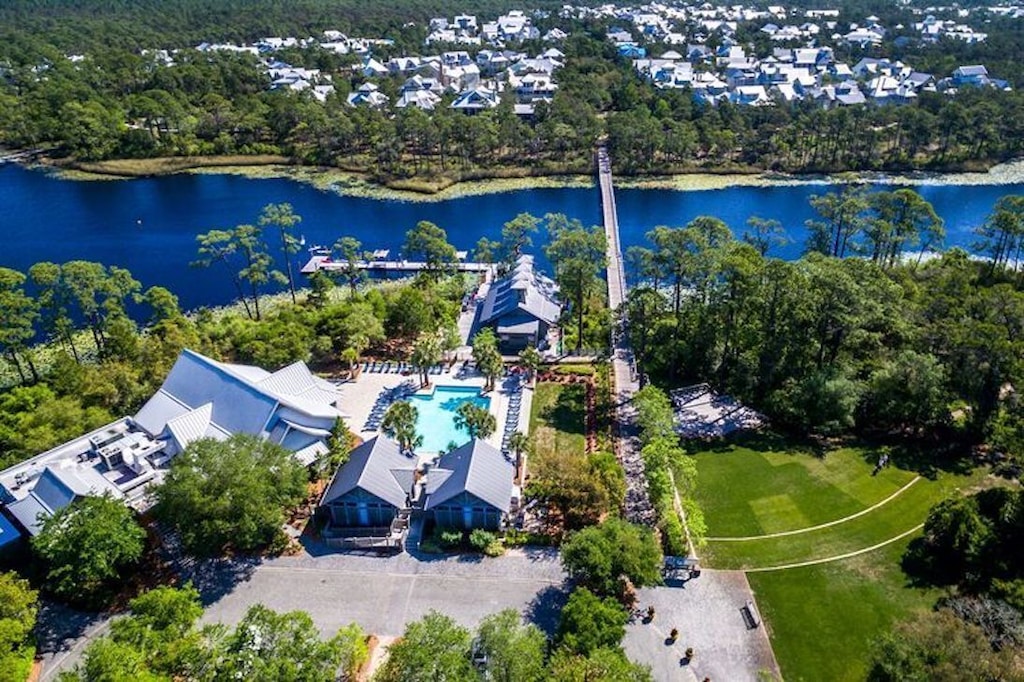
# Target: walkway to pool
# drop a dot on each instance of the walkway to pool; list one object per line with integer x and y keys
{"x": 359, "y": 397}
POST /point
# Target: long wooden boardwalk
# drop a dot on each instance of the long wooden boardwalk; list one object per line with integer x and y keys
{"x": 638, "y": 502}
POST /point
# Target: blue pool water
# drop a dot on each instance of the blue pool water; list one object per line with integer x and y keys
{"x": 436, "y": 420}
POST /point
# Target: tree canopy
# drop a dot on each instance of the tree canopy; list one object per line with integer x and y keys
{"x": 18, "y": 609}
{"x": 432, "y": 648}
{"x": 590, "y": 623}
{"x": 577, "y": 254}
{"x": 160, "y": 639}
{"x": 88, "y": 545}
{"x": 232, "y": 493}
{"x": 600, "y": 557}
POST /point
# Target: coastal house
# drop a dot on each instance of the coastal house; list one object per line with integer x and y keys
{"x": 200, "y": 398}
{"x": 204, "y": 398}
{"x": 471, "y": 487}
{"x": 476, "y": 100}
{"x": 419, "y": 98}
{"x": 521, "y": 307}
{"x": 368, "y": 95}
{"x": 372, "y": 487}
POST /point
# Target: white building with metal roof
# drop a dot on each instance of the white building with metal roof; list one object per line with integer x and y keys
{"x": 200, "y": 398}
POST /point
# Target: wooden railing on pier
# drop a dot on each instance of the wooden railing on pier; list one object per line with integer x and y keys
{"x": 638, "y": 503}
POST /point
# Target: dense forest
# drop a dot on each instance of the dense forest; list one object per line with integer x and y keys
{"x": 118, "y": 101}
{"x": 880, "y": 344}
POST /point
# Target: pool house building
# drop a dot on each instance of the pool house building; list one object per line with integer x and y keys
{"x": 375, "y": 494}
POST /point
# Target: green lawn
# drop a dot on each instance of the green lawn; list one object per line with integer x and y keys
{"x": 557, "y": 420}
{"x": 823, "y": 618}
{"x": 900, "y": 515}
{"x": 753, "y": 492}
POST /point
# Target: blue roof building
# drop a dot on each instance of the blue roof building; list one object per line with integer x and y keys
{"x": 521, "y": 307}
{"x": 9, "y": 535}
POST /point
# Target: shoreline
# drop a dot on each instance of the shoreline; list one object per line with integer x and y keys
{"x": 355, "y": 184}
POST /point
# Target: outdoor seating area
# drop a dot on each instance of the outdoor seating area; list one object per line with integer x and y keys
{"x": 394, "y": 367}
{"x": 384, "y": 400}
{"x": 700, "y": 412}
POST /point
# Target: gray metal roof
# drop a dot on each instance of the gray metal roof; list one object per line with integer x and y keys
{"x": 28, "y": 512}
{"x": 522, "y": 291}
{"x": 55, "y": 489}
{"x": 520, "y": 328}
{"x": 370, "y": 467}
{"x": 478, "y": 469}
{"x": 241, "y": 398}
{"x": 238, "y": 405}
{"x": 191, "y": 426}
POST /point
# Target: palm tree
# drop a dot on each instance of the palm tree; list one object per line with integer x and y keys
{"x": 400, "y": 423}
{"x": 519, "y": 443}
{"x": 478, "y": 421}
{"x": 351, "y": 356}
{"x": 487, "y": 356}
{"x": 530, "y": 360}
{"x": 425, "y": 354}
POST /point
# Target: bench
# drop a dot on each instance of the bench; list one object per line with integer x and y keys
{"x": 750, "y": 615}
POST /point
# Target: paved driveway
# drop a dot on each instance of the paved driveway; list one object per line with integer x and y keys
{"x": 382, "y": 594}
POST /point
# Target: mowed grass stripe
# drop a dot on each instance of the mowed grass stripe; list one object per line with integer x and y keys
{"x": 747, "y": 492}
{"x": 810, "y": 529}
{"x": 900, "y": 515}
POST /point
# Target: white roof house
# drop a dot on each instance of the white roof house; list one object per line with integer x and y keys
{"x": 477, "y": 99}
{"x": 369, "y": 95}
{"x": 200, "y": 398}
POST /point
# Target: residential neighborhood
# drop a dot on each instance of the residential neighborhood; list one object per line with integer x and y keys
{"x": 691, "y": 47}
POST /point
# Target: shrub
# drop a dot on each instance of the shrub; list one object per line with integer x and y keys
{"x": 481, "y": 539}
{"x": 449, "y": 537}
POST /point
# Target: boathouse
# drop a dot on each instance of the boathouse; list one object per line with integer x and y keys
{"x": 521, "y": 308}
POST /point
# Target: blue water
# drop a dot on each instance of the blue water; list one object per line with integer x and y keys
{"x": 436, "y": 418}
{"x": 149, "y": 225}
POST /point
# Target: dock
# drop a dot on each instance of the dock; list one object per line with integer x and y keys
{"x": 326, "y": 263}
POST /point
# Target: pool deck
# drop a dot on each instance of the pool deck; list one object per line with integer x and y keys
{"x": 359, "y": 397}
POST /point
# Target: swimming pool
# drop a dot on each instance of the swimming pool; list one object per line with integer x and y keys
{"x": 436, "y": 419}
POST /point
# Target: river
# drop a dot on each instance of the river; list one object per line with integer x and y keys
{"x": 149, "y": 225}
